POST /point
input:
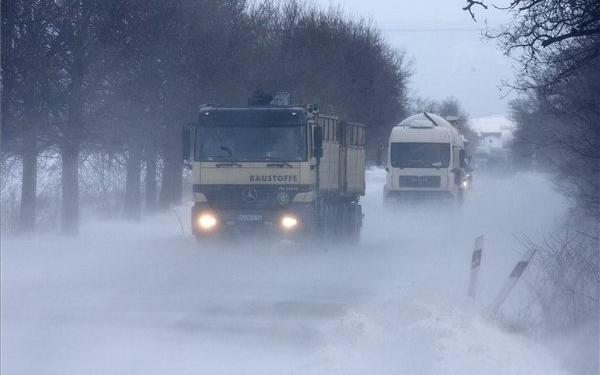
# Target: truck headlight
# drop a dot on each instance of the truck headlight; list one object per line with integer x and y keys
{"x": 207, "y": 221}
{"x": 289, "y": 222}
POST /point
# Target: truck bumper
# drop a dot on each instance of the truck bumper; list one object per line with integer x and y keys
{"x": 294, "y": 220}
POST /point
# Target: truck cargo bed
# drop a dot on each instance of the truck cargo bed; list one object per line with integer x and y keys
{"x": 342, "y": 168}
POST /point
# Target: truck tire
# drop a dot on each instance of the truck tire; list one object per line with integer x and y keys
{"x": 356, "y": 223}
{"x": 351, "y": 222}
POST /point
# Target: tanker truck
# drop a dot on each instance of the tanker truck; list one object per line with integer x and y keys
{"x": 275, "y": 169}
{"x": 425, "y": 160}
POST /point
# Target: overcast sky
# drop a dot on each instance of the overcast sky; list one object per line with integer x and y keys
{"x": 450, "y": 57}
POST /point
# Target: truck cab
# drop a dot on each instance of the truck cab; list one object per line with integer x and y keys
{"x": 425, "y": 160}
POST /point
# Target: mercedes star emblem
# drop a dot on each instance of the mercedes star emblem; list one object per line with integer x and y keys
{"x": 249, "y": 195}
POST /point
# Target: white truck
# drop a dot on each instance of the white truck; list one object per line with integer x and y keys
{"x": 275, "y": 169}
{"x": 425, "y": 159}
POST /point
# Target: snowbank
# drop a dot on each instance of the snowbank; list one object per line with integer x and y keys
{"x": 145, "y": 298}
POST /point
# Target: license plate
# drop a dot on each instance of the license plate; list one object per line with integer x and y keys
{"x": 250, "y": 217}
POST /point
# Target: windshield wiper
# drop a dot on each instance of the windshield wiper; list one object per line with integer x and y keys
{"x": 228, "y": 164}
{"x": 280, "y": 164}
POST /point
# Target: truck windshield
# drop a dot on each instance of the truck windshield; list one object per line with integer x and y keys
{"x": 420, "y": 155}
{"x": 251, "y": 143}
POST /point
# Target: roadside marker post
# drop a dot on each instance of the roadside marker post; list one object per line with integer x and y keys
{"x": 512, "y": 280}
{"x": 475, "y": 263}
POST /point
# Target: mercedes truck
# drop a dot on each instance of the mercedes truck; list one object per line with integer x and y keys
{"x": 280, "y": 169}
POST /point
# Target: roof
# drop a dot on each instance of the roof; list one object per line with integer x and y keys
{"x": 493, "y": 123}
{"x": 426, "y": 127}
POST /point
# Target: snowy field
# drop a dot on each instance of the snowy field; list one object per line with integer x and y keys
{"x": 144, "y": 298}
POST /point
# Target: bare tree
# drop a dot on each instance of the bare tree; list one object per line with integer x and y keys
{"x": 560, "y": 126}
{"x": 560, "y": 45}
{"x": 542, "y": 28}
{"x": 120, "y": 77}
{"x": 27, "y": 48}
{"x": 87, "y": 31}
{"x": 77, "y": 32}
{"x": 341, "y": 63}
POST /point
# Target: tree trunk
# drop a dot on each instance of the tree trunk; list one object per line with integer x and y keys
{"x": 29, "y": 153}
{"x": 29, "y": 183}
{"x": 150, "y": 179}
{"x": 172, "y": 182}
{"x": 170, "y": 191}
{"x": 133, "y": 193}
{"x": 70, "y": 164}
{"x": 70, "y": 188}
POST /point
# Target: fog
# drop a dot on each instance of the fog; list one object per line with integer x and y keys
{"x": 146, "y": 298}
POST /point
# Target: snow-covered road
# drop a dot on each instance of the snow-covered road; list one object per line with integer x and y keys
{"x": 143, "y": 298}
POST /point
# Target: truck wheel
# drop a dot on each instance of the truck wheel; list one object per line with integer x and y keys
{"x": 356, "y": 223}
{"x": 352, "y": 222}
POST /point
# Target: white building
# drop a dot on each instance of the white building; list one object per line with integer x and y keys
{"x": 495, "y": 139}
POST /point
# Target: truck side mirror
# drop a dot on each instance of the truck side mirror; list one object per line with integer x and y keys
{"x": 185, "y": 143}
{"x": 318, "y": 141}
{"x": 461, "y": 158}
{"x": 457, "y": 175}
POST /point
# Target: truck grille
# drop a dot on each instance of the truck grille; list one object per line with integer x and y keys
{"x": 420, "y": 181}
{"x": 249, "y": 195}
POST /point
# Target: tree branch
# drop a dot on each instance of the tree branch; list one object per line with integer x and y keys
{"x": 572, "y": 34}
{"x": 470, "y": 4}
